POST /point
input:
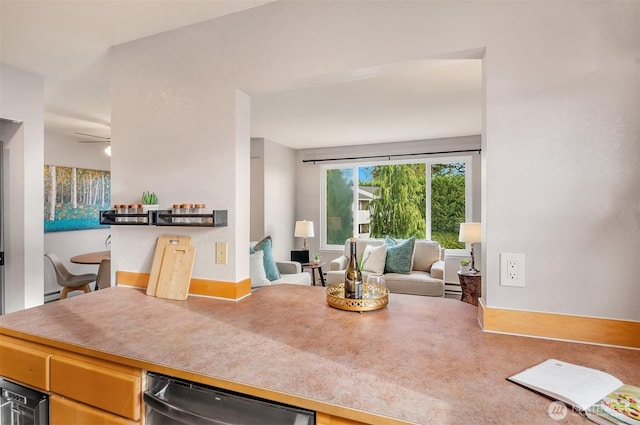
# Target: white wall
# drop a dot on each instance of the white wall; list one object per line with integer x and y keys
{"x": 273, "y": 190}
{"x": 256, "y": 231}
{"x": 280, "y": 195}
{"x": 22, "y": 99}
{"x": 562, "y": 131}
{"x": 65, "y": 152}
{"x": 561, "y": 126}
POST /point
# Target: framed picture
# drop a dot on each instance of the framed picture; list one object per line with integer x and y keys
{"x": 73, "y": 197}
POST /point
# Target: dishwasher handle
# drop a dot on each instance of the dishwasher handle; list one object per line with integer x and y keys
{"x": 175, "y": 413}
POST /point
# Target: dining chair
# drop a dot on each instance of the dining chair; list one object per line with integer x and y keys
{"x": 70, "y": 282}
{"x": 104, "y": 274}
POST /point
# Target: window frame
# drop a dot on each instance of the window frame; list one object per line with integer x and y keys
{"x": 428, "y": 161}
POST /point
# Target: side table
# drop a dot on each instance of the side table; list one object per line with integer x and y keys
{"x": 471, "y": 285}
{"x": 313, "y": 268}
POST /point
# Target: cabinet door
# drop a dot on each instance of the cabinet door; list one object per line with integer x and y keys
{"x": 24, "y": 363}
{"x": 63, "y": 411}
{"x": 97, "y": 384}
{"x": 325, "y": 419}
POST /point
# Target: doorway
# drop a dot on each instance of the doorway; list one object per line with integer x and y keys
{"x": 8, "y": 128}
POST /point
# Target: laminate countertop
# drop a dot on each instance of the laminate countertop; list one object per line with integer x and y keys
{"x": 419, "y": 360}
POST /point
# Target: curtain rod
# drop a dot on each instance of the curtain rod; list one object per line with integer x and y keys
{"x": 390, "y": 156}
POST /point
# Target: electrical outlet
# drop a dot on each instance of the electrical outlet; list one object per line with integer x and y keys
{"x": 512, "y": 270}
{"x": 221, "y": 253}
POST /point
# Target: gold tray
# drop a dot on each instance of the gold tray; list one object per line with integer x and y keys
{"x": 374, "y": 297}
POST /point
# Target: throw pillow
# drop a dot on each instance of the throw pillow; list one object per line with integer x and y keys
{"x": 425, "y": 253}
{"x": 256, "y": 269}
{"x": 270, "y": 267}
{"x": 374, "y": 258}
{"x": 399, "y": 256}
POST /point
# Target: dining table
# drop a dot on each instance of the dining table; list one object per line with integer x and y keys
{"x": 91, "y": 257}
{"x": 104, "y": 269}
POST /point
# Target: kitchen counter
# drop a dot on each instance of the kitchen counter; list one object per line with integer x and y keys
{"x": 420, "y": 360}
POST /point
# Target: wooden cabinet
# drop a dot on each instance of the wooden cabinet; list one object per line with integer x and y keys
{"x": 65, "y": 412}
{"x": 325, "y": 419}
{"x": 84, "y": 390}
{"x": 99, "y": 384}
{"x": 24, "y": 363}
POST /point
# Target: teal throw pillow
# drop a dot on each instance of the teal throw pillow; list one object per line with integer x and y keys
{"x": 399, "y": 256}
{"x": 270, "y": 267}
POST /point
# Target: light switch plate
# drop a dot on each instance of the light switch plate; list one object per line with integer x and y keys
{"x": 221, "y": 253}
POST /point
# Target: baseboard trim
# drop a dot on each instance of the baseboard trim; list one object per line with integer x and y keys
{"x": 198, "y": 286}
{"x": 592, "y": 330}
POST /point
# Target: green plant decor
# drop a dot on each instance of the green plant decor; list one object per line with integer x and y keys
{"x": 465, "y": 262}
{"x": 363, "y": 260}
{"x": 149, "y": 198}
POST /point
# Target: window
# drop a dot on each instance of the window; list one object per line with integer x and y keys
{"x": 426, "y": 199}
{"x": 448, "y": 202}
{"x": 338, "y": 214}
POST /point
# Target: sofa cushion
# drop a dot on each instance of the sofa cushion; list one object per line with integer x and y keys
{"x": 414, "y": 283}
{"x": 425, "y": 253}
{"x": 361, "y": 244}
{"x": 399, "y": 256}
{"x": 297, "y": 279}
{"x": 256, "y": 269}
{"x": 270, "y": 267}
{"x": 374, "y": 258}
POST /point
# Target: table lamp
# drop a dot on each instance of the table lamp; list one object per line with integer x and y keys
{"x": 304, "y": 229}
{"x": 470, "y": 233}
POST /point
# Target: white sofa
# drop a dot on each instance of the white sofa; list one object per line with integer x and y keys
{"x": 426, "y": 276}
{"x": 289, "y": 271}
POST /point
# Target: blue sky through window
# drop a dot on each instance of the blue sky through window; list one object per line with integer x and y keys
{"x": 365, "y": 174}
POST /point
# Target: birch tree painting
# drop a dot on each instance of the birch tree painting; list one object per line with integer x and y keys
{"x": 73, "y": 197}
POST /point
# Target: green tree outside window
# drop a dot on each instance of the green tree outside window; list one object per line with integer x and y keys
{"x": 339, "y": 205}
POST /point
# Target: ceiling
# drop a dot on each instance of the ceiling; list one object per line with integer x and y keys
{"x": 419, "y": 100}
{"x": 67, "y": 43}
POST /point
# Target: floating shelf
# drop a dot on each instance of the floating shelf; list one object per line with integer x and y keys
{"x": 111, "y": 217}
{"x": 217, "y": 218}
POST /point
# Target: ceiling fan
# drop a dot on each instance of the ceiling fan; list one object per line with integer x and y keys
{"x": 104, "y": 139}
{"x": 107, "y": 150}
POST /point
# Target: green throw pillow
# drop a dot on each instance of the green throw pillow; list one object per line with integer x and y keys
{"x": 270, "y": 267}
{"x": 399, "y": 256}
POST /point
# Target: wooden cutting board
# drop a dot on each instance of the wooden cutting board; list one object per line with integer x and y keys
{"x": 175, "y": 273}
{"x": 161, "y": 244}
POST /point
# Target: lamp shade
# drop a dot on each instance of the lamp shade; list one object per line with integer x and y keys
{"x": 470, "y": 232}
{"x": 304, "y": 229}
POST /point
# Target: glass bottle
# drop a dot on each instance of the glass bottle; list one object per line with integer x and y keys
{"x": 135, "y": 209}
{"x": 116, "y": 210}
{"x": 198, "y": 209}
{"x": 121, "y": 209}
{"x": 175, "y": 210}
{"x": 353, "y": 276}
{"x": 186, "y": 209}
{"x": 131, "y": 209}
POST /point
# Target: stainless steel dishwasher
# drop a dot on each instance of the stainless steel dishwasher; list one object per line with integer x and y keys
{"x": 170, "y": 401}
{"x": 22, "y": 406}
